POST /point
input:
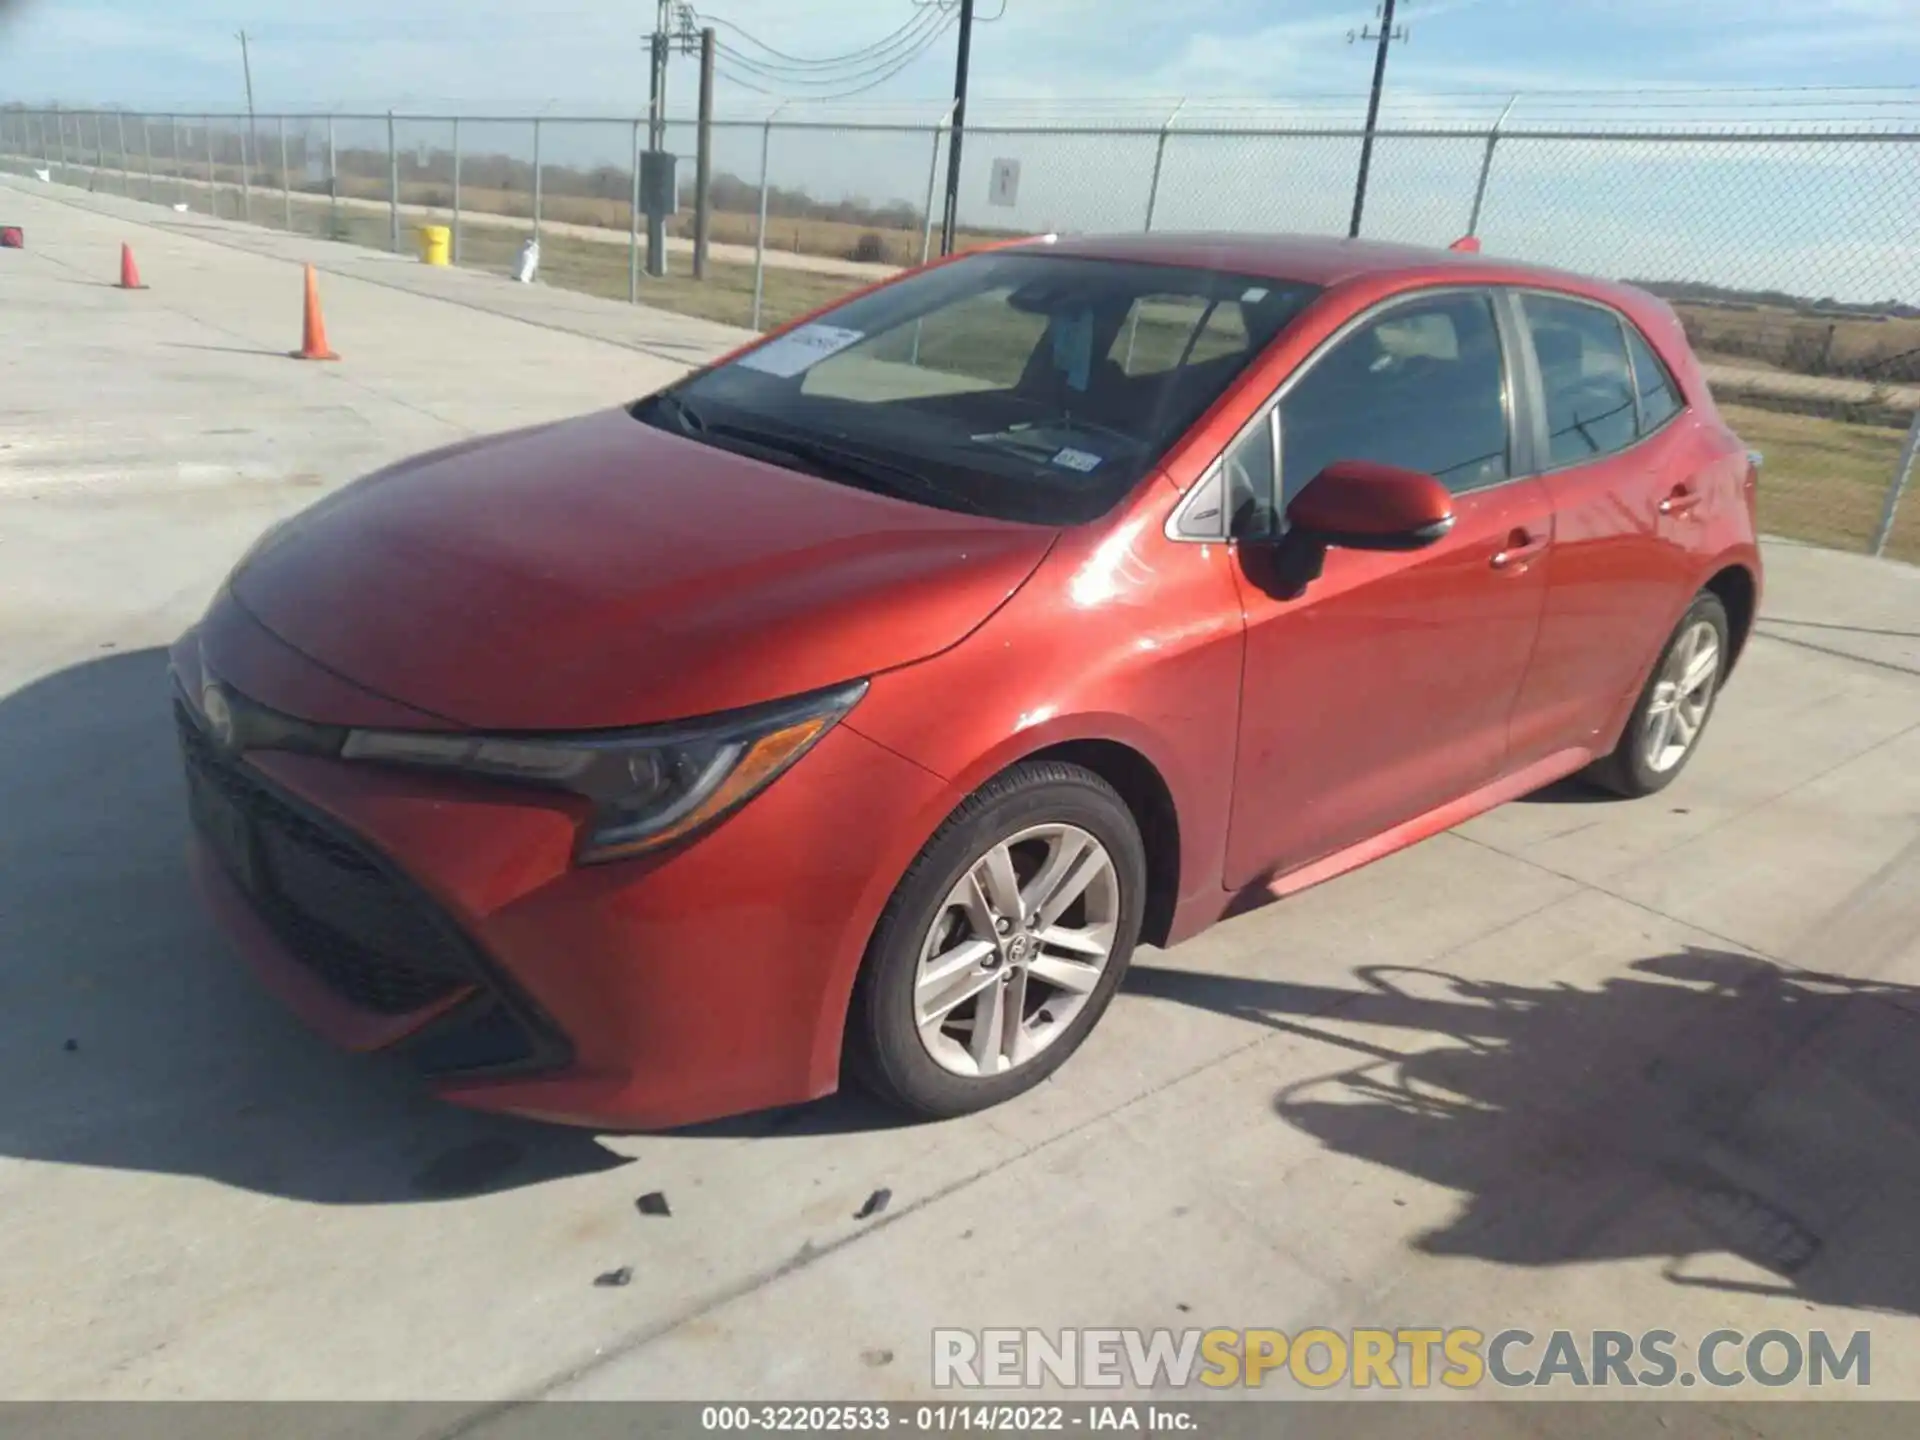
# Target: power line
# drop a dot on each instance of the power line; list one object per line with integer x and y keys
{"x": 925, "y": 30}
{"x": 786, "y": 62}
{"x": 874, "y": 83}
{"x": 906, "y": 46}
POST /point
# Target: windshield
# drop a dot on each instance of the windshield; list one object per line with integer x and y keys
{"x": 1023, "y": 386}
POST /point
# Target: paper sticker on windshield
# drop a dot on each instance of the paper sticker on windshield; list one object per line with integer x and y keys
{"x": 1076, "y": 460}
{"x": 1253, "y": 295}
{"x": 800, "y": 350}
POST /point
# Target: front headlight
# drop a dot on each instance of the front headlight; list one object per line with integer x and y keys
{"x": 649, "y": 787}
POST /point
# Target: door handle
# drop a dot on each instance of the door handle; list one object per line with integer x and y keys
{"x": 1520, "y": 548}
{"x": 1681, "y": 502}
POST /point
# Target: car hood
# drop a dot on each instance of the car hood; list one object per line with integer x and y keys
{"x": 601, "y": 572}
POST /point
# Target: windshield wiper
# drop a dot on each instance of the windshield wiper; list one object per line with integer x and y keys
{"x": 684, "y": 415}
{"x": 837, "y": 462}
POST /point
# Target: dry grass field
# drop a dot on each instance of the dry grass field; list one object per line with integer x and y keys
{"x": 1776, "y": 338}
{"x": 1826, "y": 480}
{"x": 834, "y": 239}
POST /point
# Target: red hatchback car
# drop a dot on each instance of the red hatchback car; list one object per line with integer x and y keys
{"x": 857, "y": 703}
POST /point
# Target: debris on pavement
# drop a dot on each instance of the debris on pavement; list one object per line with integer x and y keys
{"x": 71, "y": 1046}
{"x": 876, "y": 1204}
{"x": 654, "y": 1202}
{"x": 614, "y": 1279}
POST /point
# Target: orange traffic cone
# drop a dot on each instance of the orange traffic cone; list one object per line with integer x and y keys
{"x": 313, "y": 339}
{"x": 129, "y": 272}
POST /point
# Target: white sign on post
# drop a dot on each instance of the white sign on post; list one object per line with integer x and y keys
{"x": 1004, "y": 186}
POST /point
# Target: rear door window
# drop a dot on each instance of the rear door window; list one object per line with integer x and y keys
{"x": 1584, "y": 374}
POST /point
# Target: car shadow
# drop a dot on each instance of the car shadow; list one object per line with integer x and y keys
{"x": 1570, "y": 791}
{"x": 132, "y": 1038}
{"x": 1756, "y": 1129}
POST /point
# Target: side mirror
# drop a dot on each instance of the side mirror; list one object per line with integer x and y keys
{"x": 1358, "y": 505}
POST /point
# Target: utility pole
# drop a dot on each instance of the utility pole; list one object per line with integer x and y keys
{"x": 958, "y": 127}
{"x": 253, "y": 133}
{"x": 673, "y": 30}
{"x": 1386, "y": 37}
{"x": 657, "y": 76}
{"x": 703, "y": 162}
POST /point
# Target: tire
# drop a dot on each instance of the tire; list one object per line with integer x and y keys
{"x": 1634, "y": 769}
{"x": 919, "y": 957}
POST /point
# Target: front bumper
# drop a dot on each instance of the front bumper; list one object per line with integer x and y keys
{"x": 442, "y": 918}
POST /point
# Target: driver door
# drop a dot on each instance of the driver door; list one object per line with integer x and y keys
{"x": 1384, "y": 688}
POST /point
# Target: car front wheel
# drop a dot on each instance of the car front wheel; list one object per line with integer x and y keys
{"x": 1673, "y": 709}
{"x": 1002, "y": 945}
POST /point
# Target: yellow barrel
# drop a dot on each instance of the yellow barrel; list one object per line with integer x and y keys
{"x": 436, "y": 244}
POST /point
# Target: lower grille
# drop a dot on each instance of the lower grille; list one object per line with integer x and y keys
{"x": 329, "y": 902}
{"x": 359, "y": 925}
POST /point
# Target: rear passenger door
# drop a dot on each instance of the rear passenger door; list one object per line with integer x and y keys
{"x": 1382, "y": 690}
{"x": 1605, "y": 408}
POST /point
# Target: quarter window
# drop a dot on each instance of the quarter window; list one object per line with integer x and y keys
{"x": 1659, "y": 400}
{"x": 1585, "y": 377}
{"x": 1421, "y": 387}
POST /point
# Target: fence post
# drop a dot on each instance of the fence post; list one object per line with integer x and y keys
{"x": 126, "y": 167}
{"x": 633, "y": 225}
{"x": 179, "y": 164}
{"x": 760, "y": 233}
{"x": 99, "y": 150}
{"x": 1486, "y": 166}
{"x": 1159, "y": 156}
{"x": 456, "y": 190}
{"x": 926, "y": 222}
{"x": 286, "y": 180}
{"x": 393, "y": 189}
{"x": 536, "y": 179}
{"x": 60, "y": 136}
{"x": 146, "y": 145}
{"x": 1902, "y": 473}
{"x": 333, "y": 187}
{"x": 213, "y": 185}
{"x": 247, "y": 159}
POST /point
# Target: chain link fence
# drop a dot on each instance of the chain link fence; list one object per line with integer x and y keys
{"x": 1792, "y": 254}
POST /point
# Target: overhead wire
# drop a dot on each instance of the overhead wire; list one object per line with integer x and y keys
{"x": 782, "y": 61}
{"x": 927, "y": 28}
{"x": 875, "y": 68}
{"x": 874, "y": 83}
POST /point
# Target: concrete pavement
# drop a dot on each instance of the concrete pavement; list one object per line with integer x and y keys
{"x": 1578, "y": 1063}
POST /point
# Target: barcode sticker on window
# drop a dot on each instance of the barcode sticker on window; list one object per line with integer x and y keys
{"x": 1076, "y": 460}
{"x": 800, "y": 350}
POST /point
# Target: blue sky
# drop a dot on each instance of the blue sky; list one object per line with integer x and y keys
{"x": 589, "y": 54}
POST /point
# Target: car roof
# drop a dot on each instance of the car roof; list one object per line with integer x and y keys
{"x": 1322, "y": 260}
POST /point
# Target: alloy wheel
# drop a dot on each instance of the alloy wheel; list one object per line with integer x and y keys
{"x": 1016, "y": 949}
{"x": 1681, "y": 697}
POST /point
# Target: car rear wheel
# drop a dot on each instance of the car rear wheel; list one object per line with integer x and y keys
{"x": 1002, "y": 945}
{"x": 1673, "y": 709}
